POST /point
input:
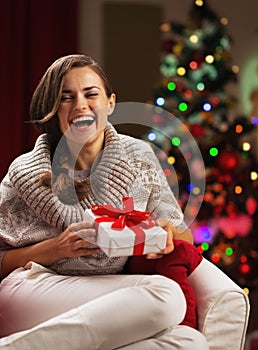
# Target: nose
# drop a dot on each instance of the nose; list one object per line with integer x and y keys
{"x": 81, "y": 103}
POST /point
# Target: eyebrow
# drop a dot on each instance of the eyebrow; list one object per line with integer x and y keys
{"x": 84, "y": 89}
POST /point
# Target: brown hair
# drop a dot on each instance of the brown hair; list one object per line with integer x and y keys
{"x": 43, "y": 113}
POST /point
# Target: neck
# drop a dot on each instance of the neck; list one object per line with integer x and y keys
{"x": 83, "y": 157}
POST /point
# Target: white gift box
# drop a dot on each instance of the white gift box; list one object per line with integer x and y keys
{"x": 121, "y": 242}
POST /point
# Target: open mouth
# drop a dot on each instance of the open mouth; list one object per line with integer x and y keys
{"x": 83, "y": 121}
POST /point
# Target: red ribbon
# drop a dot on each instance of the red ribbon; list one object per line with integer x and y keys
{"x": 136, "y": 220}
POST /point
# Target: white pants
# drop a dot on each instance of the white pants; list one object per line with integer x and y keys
{"x": 44, "y": 310}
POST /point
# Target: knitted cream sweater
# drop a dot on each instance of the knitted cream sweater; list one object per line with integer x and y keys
{"x": 30, "y": 213}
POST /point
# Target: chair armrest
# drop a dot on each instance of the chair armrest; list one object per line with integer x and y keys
{"x": 222, "y": 306}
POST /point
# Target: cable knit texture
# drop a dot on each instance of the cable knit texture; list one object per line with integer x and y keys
{"x": 30, "y": 213}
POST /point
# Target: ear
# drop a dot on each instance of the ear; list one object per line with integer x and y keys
{"x": 111, "y": 104}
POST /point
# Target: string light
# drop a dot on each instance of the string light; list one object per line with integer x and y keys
{"x": 194, "y": 39}
{"x": 228, "y": 251}
{"x": 214, "y": 151}
{"x": 209, "y": 59}
{"x": 235, "y": 69}
{"x": 224, "y": 21}
{"x": 253, "y": 175}
{"x": 244, "y": 268}
{"x": 160, "y": 101}
{"x": 181, "y": 71}
{"x": 206, "y": 107}
{"x": 238, "y": 129}
{"x": 188, "y": 93}
{"x": 167, "y": 172}
{"x": 199, "y": 3}
{"x": 193, "y": 65}
{"x": 152, "y": 136}
{"x": 175, "y": 141}
{"x": 215, "y": 258}
{"x": 200, "y": 86}
{"x": 165, "y": 27}
{"x": 205, "y": 246}
{"x": 171, "y": 160}
{"x": 182, "y": 106}
{"x": 254, "y": 120}
{"x": 196, "y": 191}
{"x": 238, "y": 189}
{"x": 171, "y": 86}
{"x": 246, "y": 146}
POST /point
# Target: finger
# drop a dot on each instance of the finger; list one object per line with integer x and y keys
{"x": 87, "y": 235}
{"x": 82, "y": 244}
{"x": 154, "y": 256}
{"x": 169, "y": 248}
{"x": 87, "y": 251}
{"x": 76, "y": 226}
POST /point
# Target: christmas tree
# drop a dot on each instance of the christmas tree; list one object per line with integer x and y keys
{"x": 197, "y": 75}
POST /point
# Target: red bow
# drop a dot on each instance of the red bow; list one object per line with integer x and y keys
{"x": 128, "y": 216}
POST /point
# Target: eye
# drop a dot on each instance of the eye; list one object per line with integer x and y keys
{"x": 91, "y": 94}
{"x": 66, "y": 98}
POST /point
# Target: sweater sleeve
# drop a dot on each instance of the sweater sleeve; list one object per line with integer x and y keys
{"x": 162, "y": 200}
{"x": 152, "y": 185}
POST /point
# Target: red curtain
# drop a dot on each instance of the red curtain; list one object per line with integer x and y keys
{"x": 33, "y": 34}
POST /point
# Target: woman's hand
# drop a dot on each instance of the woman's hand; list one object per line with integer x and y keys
{"x": 76, "y": 241}
{"x": 169, "y": 228}
{"x": 172, "y": 233}
{"x": 72, "y": 243}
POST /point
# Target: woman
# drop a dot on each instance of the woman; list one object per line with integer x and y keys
{"x": 49, "y": 265}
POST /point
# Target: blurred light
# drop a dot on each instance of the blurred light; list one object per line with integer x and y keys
{"x": 188, "y": 155}
{"x": 235, "y": 69}
{"x": 238, "y": 128}
{"x": 215, "y": 258}
{"x": 190, "y": 187}
{"x": 224, "y": 20}
{"x": 229, "y": 251}
{"x": 215, "y": 100}
{"x": 196, "y": 190}
{"x": 171, "y": 86}
{"x": 246, "y": 146}
{"x": 160, "y": 101}
{"x": 243, "y": 259}
{"x": 171, "y": 160}
{"x": 193, "y": 65}
{"x": 214, "y": 152}
{"x": 199, "y": 2}
{"x": 167, "y": 172}
{"x": 246, "y": 290}
{"x": 205, "y": 246}
{"x": 194, "y": 39}
{"x": 152, "y": 136}
{"x": 175, "y": 141}
{"x": 181, "y": 71}
{"x": 200, "y": 249}
{"x": 200, "y": 86}
{"x": 209, "y": 59}
{"x": 253, "y": 175}
{"x": 188, "y": 93}
{"x": 254, "y": 120}
{"x": 238, "y": 189}
{"x": 183, "y": 106}
{"x": 165, "y": 27}
{"x": 244, "y": 268}
{"x": 206, "y": 107}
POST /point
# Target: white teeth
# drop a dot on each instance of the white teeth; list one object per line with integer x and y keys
{"x": 85, "y": 118}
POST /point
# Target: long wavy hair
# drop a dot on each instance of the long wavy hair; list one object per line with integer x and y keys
{"x": 43, "y": 113}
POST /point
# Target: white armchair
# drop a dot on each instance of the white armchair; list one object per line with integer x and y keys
{"x": 223, "y": 307}
{"x": 223, "y": 310}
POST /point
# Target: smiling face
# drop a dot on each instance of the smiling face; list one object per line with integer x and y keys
{"x": 84, "y": 107}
